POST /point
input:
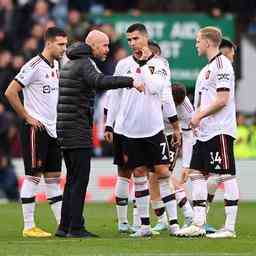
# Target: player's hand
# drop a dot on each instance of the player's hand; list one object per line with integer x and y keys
{"x": 195, "y": 121}
{"x": 139, "y": 86}
{"x": 34, "y": 122}
{"x": 184, "y": 176}
{"x": 176, "y": 139}
{"x": 146, "y": 53}
{"x": 108, "y": 136}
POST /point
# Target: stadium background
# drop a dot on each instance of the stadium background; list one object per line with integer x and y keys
{"x": 171, "y": 23}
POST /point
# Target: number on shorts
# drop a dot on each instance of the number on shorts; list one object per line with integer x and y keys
{"x": 172, "y": 156}
{"x": 164, "y": 147}
{"x": 215, "y": 158}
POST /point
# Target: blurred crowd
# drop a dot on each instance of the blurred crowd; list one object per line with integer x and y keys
{"x": 22, "y": 26}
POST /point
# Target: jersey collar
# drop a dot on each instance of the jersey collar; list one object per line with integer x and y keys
{"x": 212, "y": 59}
{"x": 45, "y": 60}
{"x": 143, "y": 62}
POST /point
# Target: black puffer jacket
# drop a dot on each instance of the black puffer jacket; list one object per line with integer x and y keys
{"x": 79, "y": 80}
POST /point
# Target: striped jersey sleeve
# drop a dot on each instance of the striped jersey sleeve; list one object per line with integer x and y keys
{"x": 27, "y": 73}
{"x": 223, "y": 73}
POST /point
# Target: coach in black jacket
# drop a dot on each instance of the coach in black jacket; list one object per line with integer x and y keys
{"x": 79, "y": 80}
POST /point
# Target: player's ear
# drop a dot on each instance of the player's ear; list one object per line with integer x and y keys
{"x": 48, "y": 43}
{"x": 207, "y": 43}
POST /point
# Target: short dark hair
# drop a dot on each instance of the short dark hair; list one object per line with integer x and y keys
{"x": 179, "y": 93}
{"x": 154, "y": 45}
{"x": 225, "y": 42}
{"x": 137, "y": 27}
{"x": 52, "y": 32}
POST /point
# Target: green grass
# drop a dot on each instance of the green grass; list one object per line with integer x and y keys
{"x": 101, "y": 220}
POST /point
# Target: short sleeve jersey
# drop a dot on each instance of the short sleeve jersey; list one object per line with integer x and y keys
{"x": 40, "y": 82}
{"x": 217, "y": 75}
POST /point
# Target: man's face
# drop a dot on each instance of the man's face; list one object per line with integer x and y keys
{"x": 201, "y": 44}
{"x": 58, "y": 46}
{"x": 228, "y": 52}
{"x": 101, "y": 48}
{"x": 137, "y": 40}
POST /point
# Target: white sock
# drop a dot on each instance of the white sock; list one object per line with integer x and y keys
{"x": 122, "y": 194}
{"x": 231, "y": 203}
{"x": 184, "y": 204}
{"x": 136, "y": 217}
{"x": 169, "y": 199}
{"x": 212, "y": 186}
{"x": 27, "y": 194}
{"x": 159, "y": 209}
{"x": 199, "y": 196}
{"x": 54, "y": 195}
{"x": 142, "y": 199}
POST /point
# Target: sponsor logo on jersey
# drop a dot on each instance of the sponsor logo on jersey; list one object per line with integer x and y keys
{"x": 46, "y": 89}
{"x": 223, "y": 76}
{"x": 161, "y": 72}
{"x": 49, "y": 89}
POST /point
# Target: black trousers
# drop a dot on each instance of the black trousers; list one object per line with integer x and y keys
{"x": 78, "y": 164}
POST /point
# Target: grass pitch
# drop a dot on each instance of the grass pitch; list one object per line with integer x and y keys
{"x": 101, "y": 220}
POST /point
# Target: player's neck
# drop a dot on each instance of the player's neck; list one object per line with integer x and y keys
{"x": 47, "y": 56}
{"x": 211, "y": 53}
{"x": 137, "y": 55}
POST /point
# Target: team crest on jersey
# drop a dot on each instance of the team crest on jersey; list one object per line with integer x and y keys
{"x": 207, "y": 74}
{"x": 152, "y": 69}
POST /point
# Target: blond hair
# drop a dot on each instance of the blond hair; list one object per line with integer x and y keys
{"x": 214, "y": 34}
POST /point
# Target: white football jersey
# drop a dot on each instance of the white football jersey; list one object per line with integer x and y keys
{"x": 40, "y": 82}
{"x": 136, "y": 114}
{"x": 184, "y": 114}
{"x": 187, "y": 147}
{"x": 217, "y": 75}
